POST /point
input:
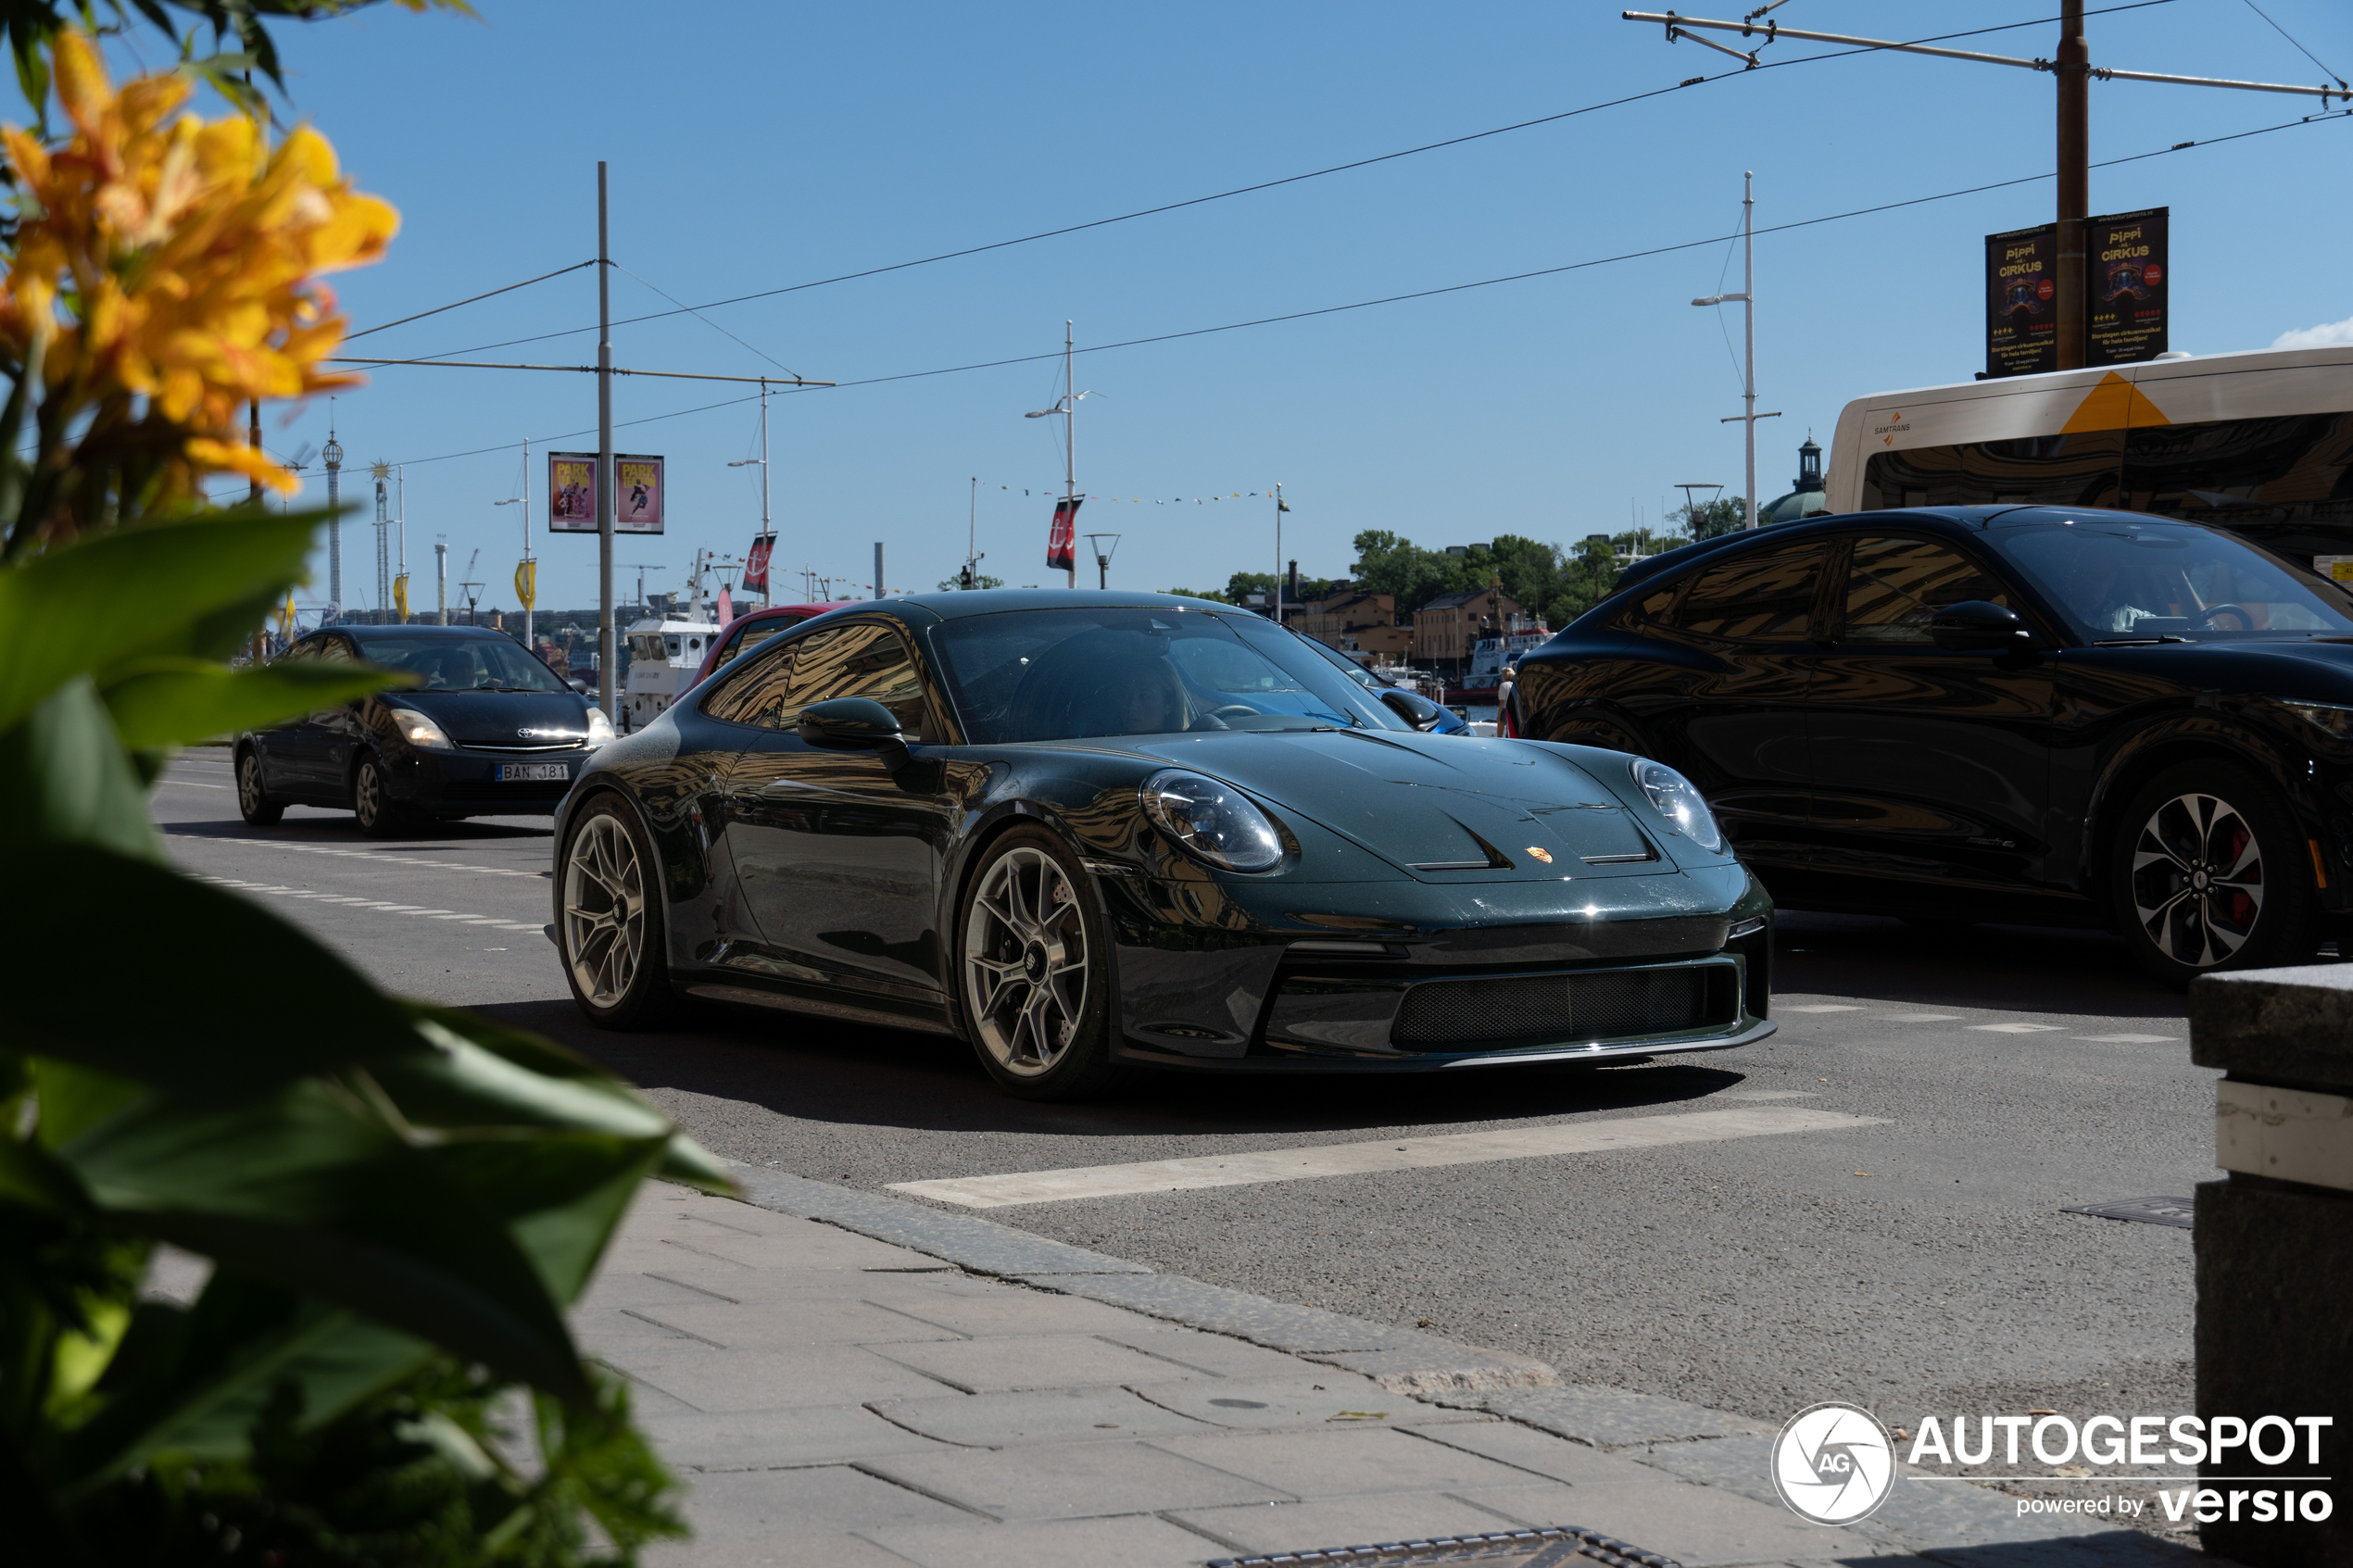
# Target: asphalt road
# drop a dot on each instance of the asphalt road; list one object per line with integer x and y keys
{"x": 1917, "y": 1262}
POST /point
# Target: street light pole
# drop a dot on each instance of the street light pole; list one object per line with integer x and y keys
{"x": 1279, "y": 553}
{"x": 761, "y": 463}
{"x": 333, "y": 457}
{"x": 1746, "y": 299}
{"x": 607, "y": 652}
{"x": 2074, "y": 70}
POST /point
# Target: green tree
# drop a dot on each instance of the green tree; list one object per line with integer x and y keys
{"x": 1705, "y": 520}
{"x": 1390, "y": 563}
{"x": 980, "y": 579}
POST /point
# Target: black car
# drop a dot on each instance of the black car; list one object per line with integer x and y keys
{"x": 488, "y": 730}
{"x": 2042, "y": 715}
{"x": 1083, "y": 830}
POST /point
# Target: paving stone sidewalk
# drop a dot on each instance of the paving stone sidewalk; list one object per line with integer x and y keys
{"x": 859, "y": 1381}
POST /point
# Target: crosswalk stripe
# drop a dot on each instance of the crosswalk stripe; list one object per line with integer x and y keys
{"x": 2016, "y": 1028}
{"x": 1389, "y": 1154}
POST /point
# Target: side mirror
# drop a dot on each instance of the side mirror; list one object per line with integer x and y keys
{"x": 1412, "y": 707}
{"x": 1975, "y": 626}
{"x": 855, "y": 724}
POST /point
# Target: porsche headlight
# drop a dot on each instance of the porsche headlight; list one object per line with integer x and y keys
{"x": 1212, "y": 822}
{"x": 1672, "y": 797}
{"x": 599, "y": 728}
{"x": 419, "y": 730}
{"x": 2333, "y": 720}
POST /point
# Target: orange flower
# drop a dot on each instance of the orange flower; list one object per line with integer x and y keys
{"x": 172, "y": 264}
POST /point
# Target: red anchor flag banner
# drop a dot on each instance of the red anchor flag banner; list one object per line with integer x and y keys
{"x": 1062, "y": 549}
{"x": 755, "y": 577}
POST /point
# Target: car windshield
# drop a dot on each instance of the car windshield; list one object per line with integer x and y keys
{"x": 1061, "y": 674}
{"x": 469, "y": 664}
{"x": 2121, "y": 579}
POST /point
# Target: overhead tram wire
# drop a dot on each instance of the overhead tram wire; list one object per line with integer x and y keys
{"x": 510, "y": 288}
{"x": 2331, "y": 115}
{"x": 1263, "y": 184}
{"x": 2293, "y": 39}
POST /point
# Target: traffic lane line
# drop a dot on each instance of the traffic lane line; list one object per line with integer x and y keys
{"x": 378, "y": 905}
{"x": 374, "y": 858}
{"x": 1385, "y": 1155}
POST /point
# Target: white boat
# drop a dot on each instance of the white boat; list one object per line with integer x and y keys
{"x": 1490, "y": 654}
{"x": 663, "y": 656}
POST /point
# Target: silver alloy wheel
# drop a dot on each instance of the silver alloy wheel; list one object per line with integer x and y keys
{"x": 1026, "y": 962}
{"x": 604, "y": 926}
{"x": 368, "y": 795}
{"x": 2197, "y": 880}
{"x": 249, "y": 795}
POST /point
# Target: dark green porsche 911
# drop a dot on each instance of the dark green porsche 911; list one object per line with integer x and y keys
{"x": 1083, "y": 830}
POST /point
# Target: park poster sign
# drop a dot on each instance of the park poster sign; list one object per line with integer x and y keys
{"x": 572, "y": 493}
{"x": 2125, "y": 269}
{"x": 2022, "y": 301}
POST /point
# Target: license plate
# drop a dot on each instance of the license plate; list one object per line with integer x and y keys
{"x": 533, "y": 773}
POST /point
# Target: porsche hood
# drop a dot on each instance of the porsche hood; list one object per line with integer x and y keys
{"x": 1445, "y": 810}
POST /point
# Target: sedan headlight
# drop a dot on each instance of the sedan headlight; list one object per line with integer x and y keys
{"x": 419, "y": 730}
{"x": 1672, "y": 797}
{"x": 599, "y": 728}
{"x": 1212, "y": 822}
{"x": 2331, "y": 718}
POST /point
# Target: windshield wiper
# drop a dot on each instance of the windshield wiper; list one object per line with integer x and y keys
{"x": 487, "y": 686}
{"x": 2138, "y": 642}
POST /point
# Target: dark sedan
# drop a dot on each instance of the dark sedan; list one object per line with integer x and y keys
{"x": 2030, "y": 714}
{"x": 1081, "y": 831}
{"x": 487, "y": 730}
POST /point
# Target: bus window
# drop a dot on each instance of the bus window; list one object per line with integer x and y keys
{"x": 2296, "y": 469}
{"x": 2066, "y": 471}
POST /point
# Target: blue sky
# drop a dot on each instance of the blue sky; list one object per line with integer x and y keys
{"x": 759, "y": 145}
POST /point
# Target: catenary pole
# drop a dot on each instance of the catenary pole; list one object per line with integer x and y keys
{"x": 1748, "y": 314}
{"x": 608, "y": 654}
{"x": 527, "y": 640}
{"x": 2073, "y": 72}
{"x": 1070, "y": 450}
{"x": 1279, "y": 553}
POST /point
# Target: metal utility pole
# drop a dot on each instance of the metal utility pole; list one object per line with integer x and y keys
{"x": 878, "y": 569}
{"x": 333, "y": 457}
{"x": 1067, "y": 406}
{"x": 380, "y": 471}
{"x": 526, "y": 578}
{"x": 607, "y": 653}
{"x": 400, "y": 491}
{"x": 1276, "y": 593}
{"x": 441, "y": 582}
{"x": 762, "y": 461}
{"x": 2074, "y": 70}
{"x": 1748, "y": 417}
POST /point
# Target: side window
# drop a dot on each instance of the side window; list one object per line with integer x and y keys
{"x": 869, "y": 661}
{"x": 1895, "y": 586}
{"x": 756, "y": 693}
{"x": 1765, "y": 598}
{"x": 333, "y": 647}
{"x": 1652, "y": 606}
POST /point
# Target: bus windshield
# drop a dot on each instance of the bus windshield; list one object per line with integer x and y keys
{"x": 2123, "y": 579}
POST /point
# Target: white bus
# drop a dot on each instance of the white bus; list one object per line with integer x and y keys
{"x": 2260, "y": 444}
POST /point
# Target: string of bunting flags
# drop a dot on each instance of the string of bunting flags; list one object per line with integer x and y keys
{"x": 1054, "y": 491}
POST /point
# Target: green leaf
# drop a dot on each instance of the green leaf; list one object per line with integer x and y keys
{"x": 228, "y": 996}
{"x": 193, "y": 1383}
{"x": 64, "y": 777}
{"x": 31, "y": 1176}
{"x": 141, "y": 591}
{"x": 312, "y": 1189}
{"x": 176, "y": 701}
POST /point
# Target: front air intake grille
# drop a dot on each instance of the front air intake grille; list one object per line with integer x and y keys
{"x": 1483, "y": 1015}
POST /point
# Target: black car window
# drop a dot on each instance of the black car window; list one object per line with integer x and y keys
{"x": 1895, "y": 586}
{"x": 757, "y": 693}
{"x": 869, "y": 661}
{"x": 489, "y": 662}
{"x": 1765, "y": 597}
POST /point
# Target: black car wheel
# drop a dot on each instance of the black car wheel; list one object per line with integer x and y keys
{"x": 253, "y": 802}
{"x": 609, "y": 920}
{"x": 380, "y": 816}
{"x": 1035, "y": 974}
{"x": 2211, "y": 873}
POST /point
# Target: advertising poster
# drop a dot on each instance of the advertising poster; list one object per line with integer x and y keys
{"x": 2125, "y": 268}
{"x": 636, "y": 490}
{"x": 755, "y": 578}
{"x": 2022, "y": 301}
{"x": 572, "y": 492}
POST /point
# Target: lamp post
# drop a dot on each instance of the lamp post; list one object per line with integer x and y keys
{"x": 1747, "y": 298}
{"x": 761, "y": 463}
{"x": 1067, "y": 406}
{"x": 1690, "y": 502}
{"x": 1103, "y": 557}
{"x": 332, "y": 458}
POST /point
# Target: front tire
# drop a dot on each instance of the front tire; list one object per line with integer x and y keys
{"x": 1034, "y": 971}
{"x": 372, "y": 806}
{"x": 254, "y": 803}
{"x": 609, "y": 920}
{"x": 2211, "y": 873}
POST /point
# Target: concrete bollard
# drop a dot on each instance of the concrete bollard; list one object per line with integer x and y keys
{"x": 2274, "y": 1245}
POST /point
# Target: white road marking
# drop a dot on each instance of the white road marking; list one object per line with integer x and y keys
{"x": 2017, "y": 1028}
{"x": 191, "y": 783}
{"x": 1825, "y": 1006}
{"x": 1921, "y": 1018}
{"x": 2130, "y": 1040}
{"x": 1386, "y": 1154}
{"x": 495, "y": 922}
{"x": 1765, "y": 1094}
{"x": 368, "y": 855}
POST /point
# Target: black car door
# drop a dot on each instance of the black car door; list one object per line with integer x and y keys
{"x": 1724, "y": 699}
{"x": 839, "y": 857}
{"x": 1931, "y": 766}
{"x": 309, "y": 756}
